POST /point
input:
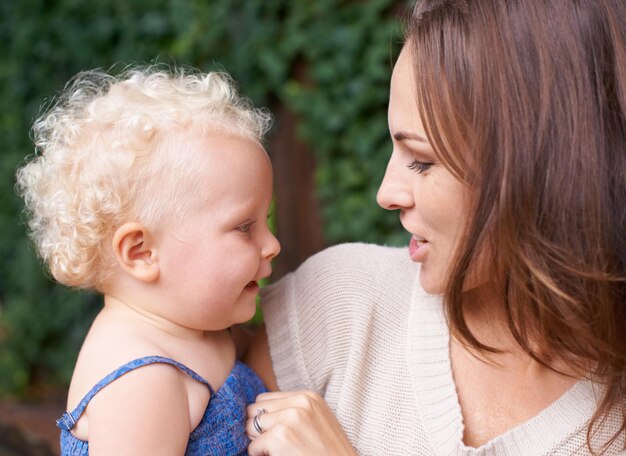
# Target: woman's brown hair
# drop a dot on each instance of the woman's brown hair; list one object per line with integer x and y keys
{"x": 525, "y": 101}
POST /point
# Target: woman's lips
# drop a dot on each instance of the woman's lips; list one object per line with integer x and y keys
{"x": 418, "y": 249}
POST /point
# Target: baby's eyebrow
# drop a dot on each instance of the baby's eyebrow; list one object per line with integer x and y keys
{"x": 401, "y": 136}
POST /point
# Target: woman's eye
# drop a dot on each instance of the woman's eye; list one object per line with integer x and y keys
{"x": 419, "y": 167}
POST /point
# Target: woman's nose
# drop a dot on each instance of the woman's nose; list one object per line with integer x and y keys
{"x": 395, "y": 191}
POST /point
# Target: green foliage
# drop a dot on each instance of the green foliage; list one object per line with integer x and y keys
{"x": 329, "y": 61}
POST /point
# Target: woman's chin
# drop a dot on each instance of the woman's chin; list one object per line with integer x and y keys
{"x": 431, "y": 285}
{"x": 434, "y": 282}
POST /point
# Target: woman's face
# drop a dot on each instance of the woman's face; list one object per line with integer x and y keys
{"x": 432, "y": 202}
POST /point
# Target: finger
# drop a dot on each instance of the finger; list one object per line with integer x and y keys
{"x": 259, "y": 447}
{"x": 284, "y": 394}
{"x": 263, "y": 423}
{"x": 289, "y": 417}
{"x": 298, "y": 431}
{"x": 253, "y": 409}
{"x": 279, "y": 401}
{"x": 276, "y": 445}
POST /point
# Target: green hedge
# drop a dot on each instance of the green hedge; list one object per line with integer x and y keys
{"x": 345, "y": 48}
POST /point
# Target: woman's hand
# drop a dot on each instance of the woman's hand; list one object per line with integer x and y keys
{"x": 294, "y": 423}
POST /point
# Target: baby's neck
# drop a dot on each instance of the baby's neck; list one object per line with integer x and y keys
{"x": 145, "y": 318}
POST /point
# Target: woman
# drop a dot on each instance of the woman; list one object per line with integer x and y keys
{"x": 504, "y": 329}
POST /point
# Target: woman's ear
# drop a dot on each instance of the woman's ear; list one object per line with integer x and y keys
{"x": 133, "y": 248}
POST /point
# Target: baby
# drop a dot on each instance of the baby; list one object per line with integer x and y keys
{"x": 153, "y": 188}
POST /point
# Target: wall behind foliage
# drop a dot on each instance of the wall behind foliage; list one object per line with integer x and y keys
{"x": 326, "y": 61}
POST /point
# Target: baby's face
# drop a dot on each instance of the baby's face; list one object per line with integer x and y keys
{"x": 212, "y": 260}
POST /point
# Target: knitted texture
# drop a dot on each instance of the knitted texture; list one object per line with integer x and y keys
{"x": 222, "y": 428}
{"x": 353, "y": 324}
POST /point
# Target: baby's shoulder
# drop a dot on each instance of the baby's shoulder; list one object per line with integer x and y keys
{"x": 109, "y": 344}
{"x": 134, "y": 402}
{"x": 110, "y": 377}
{"x": 110, "y": 347}
{"x": 132, "y": 370}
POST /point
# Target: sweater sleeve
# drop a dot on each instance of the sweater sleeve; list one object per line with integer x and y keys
{"x": 281, "y": 325}
{"x": 318, "y": 317}
{"x": 296, "y": 323}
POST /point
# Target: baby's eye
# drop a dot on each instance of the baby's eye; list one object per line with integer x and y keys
{"x": 245, "y": 228}
{"x": 419, "y": 167}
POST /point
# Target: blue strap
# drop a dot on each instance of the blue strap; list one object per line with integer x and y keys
{"x": 68, "y": 420}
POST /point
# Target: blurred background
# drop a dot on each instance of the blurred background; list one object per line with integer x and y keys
{"x": 321, "y": 66}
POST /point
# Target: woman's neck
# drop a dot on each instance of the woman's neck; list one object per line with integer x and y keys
{"x": 485, "y": 315}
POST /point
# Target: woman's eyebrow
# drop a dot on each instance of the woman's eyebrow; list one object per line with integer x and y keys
{"x": 401, "y": 136}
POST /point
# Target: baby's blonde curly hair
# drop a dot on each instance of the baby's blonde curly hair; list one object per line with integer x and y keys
{"x": 103, "y": 158}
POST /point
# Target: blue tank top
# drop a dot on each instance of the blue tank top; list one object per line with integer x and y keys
{"x": 222, "y": 428}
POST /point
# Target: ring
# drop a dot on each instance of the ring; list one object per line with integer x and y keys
{"x": 256, "y": 421}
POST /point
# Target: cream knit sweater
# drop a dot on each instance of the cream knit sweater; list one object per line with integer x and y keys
{"x": 353, "y": 324}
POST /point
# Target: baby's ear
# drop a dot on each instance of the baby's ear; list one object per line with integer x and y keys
{"x": 133, "y": 247}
